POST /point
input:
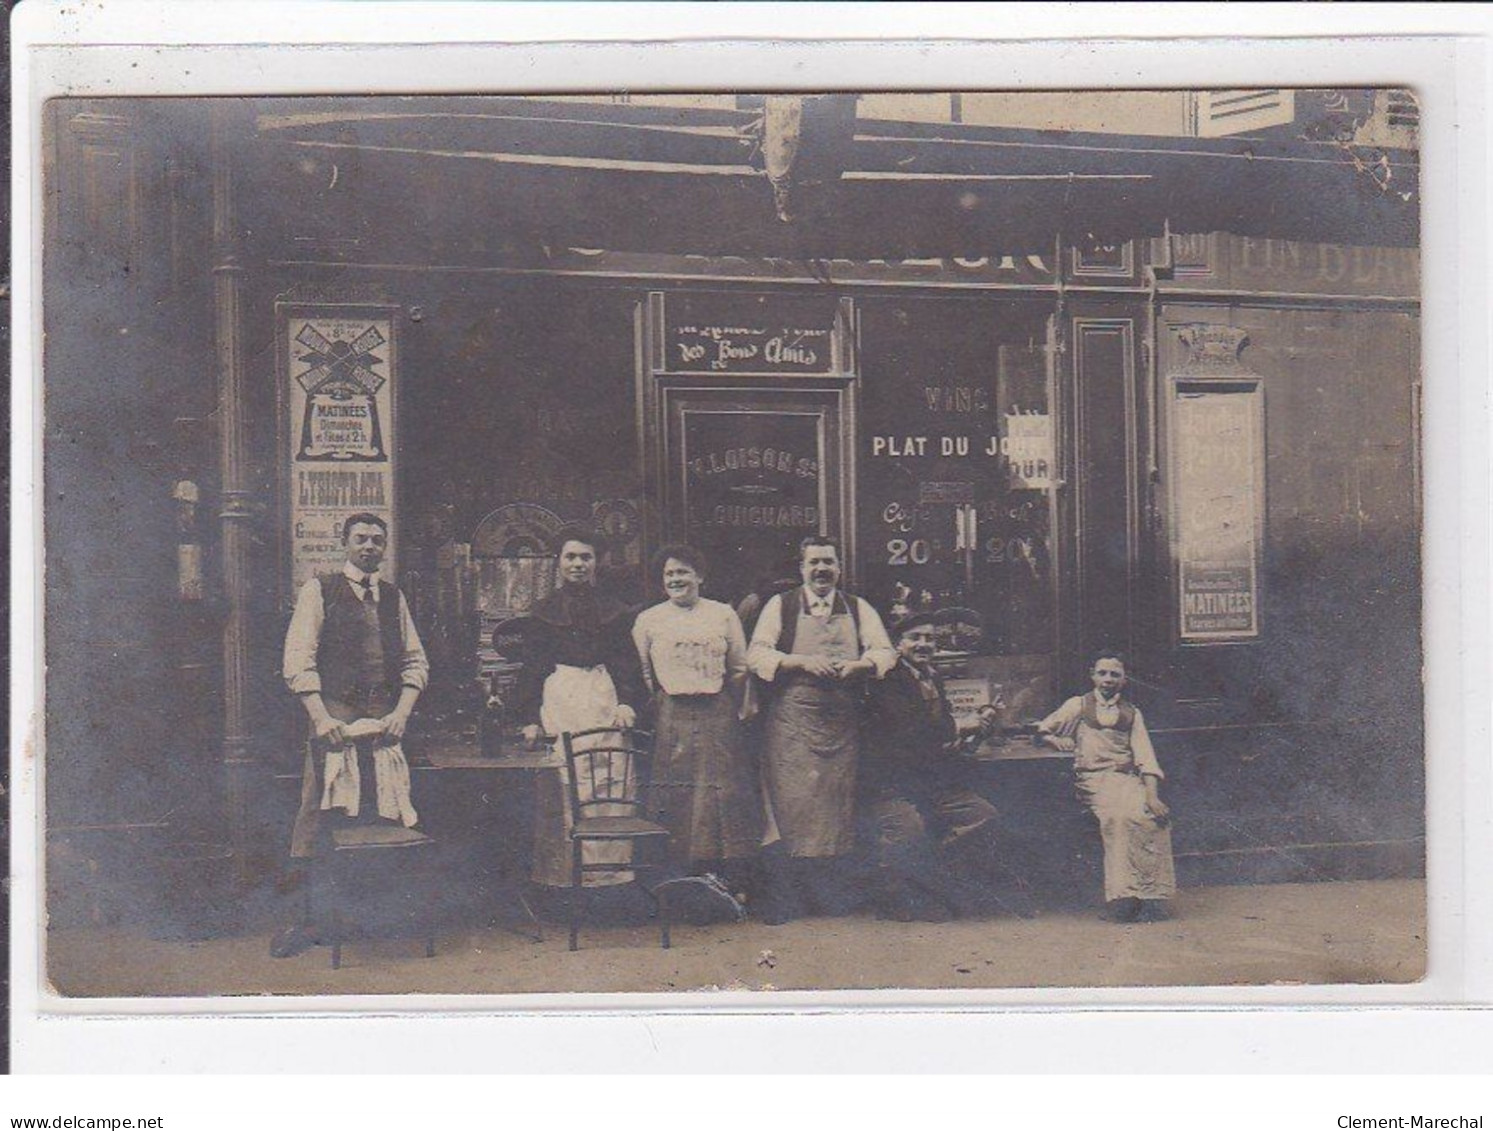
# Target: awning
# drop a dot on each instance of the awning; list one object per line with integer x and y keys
{"x": 465, "y": 180}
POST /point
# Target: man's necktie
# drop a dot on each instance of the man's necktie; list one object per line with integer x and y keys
{"x": 367, "y": 584}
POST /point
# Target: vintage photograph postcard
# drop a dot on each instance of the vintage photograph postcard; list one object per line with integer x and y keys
{"x": 646, "y": 543}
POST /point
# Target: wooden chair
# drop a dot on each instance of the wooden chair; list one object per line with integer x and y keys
{"x": 607, "y": 771}
{"x": 397, "y": 862}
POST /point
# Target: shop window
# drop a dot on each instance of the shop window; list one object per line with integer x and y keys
{"x": 956, "y": 482}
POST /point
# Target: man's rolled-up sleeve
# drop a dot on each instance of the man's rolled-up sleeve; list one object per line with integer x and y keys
{"x": 876, "y": 645}
{"x": 1141, "y": 748}
{"x": 763, "y": 657}
{"x": 1064, "y": 721}
{"x": 299, "y": 663}
{"x": 414, "y": 667}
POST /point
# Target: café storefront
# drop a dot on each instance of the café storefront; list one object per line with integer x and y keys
{"x": 1171, "y": 419}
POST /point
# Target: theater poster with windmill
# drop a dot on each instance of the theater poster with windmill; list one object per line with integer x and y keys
{"x": 339, "y": 432}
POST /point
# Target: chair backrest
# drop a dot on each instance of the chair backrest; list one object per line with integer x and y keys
{"x": 609, "y": 771}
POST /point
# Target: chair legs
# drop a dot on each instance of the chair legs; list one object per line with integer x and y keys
{"x": 420, "y": 921}
{"x": 577, "y": 893}
{"x": 665, "y": 920}
{"x": 335, "y": 918}
{"x": 577, "y": 889}
{"x": 662, "y": 897}
{"x": 336, "y": 923}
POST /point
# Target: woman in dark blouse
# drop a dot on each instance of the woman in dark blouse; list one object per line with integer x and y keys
{"x": 581, "y": 671}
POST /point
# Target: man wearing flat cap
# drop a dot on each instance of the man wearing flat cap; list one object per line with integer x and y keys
{"x": 916, "y": 788}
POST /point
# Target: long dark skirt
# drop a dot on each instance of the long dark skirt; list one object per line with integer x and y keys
{"x": 704, "y": 785}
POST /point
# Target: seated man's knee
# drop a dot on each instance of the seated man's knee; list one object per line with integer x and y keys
{"x": 966, "y": 813}
{"x": 898, "y": 823}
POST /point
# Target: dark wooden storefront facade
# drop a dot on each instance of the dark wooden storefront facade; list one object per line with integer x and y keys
{"x": 996, "y": 379}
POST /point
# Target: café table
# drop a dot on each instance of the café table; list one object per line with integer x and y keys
{"x": 462, "y": 754}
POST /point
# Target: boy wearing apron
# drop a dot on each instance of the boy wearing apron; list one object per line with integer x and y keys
{"x": 1118, "y": 777}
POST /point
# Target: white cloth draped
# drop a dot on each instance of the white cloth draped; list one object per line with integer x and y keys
{"x": 343, "y": 788}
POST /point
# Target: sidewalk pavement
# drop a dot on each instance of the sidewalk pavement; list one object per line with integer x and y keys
{"x": 1324, "y": 933}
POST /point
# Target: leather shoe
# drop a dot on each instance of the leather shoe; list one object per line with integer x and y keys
{"x": 895, "y": 911}
{"x": 774, "y": 912}
{"x": 1153, "y": 911}
{"x": 292, "y": 940}
{"x": 1123, "y": 910}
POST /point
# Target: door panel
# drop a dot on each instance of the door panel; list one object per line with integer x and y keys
{"x": 750, "y": 472}
{"x": 1105, "y": 482}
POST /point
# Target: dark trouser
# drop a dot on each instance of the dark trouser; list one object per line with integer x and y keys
{"x": 911, "y": 865}
{"x": 791, "y": 887}
{"x": 901, "y": 822}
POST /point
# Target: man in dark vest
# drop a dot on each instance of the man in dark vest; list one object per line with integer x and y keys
{"x": 813, "y": 648}
{"x": 351, "y": 654}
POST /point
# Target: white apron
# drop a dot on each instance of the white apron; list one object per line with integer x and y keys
{"x": 574, "y": 699}
{"x": 1137, "y": 849}
{"x": 812, "y": 744}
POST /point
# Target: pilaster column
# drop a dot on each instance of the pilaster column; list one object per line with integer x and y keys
{"x": 235, "y": 512}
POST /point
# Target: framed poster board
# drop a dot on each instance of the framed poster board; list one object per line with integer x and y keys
{"x": 338, "y": 427}
{"x": 1217, "y": 443}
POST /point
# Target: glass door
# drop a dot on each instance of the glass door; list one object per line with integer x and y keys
{"x": 750, "y": 473}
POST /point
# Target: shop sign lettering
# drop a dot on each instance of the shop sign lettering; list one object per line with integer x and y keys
{"x": 957, "y": 399}
{"x": 936, "y": 492}
{"x": 783, "y": 335}
{"x": 1249, "y": 263}
{"x": 1026, "y": 449}
{"x": 749, "y": 349}
{"x": 750, "y": 470}
{"x": 803, "y": 517}
{"x": 997, "y": 268}
{"x": 753, "y": 458}
{"x": 1389, "y": 268}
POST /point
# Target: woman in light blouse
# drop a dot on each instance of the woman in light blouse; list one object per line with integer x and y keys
{"x": 693, "y": 653}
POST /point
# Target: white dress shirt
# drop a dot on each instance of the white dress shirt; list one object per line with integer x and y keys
{"x": 1106, "y": 749}
{"x": 764, "y": 658}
